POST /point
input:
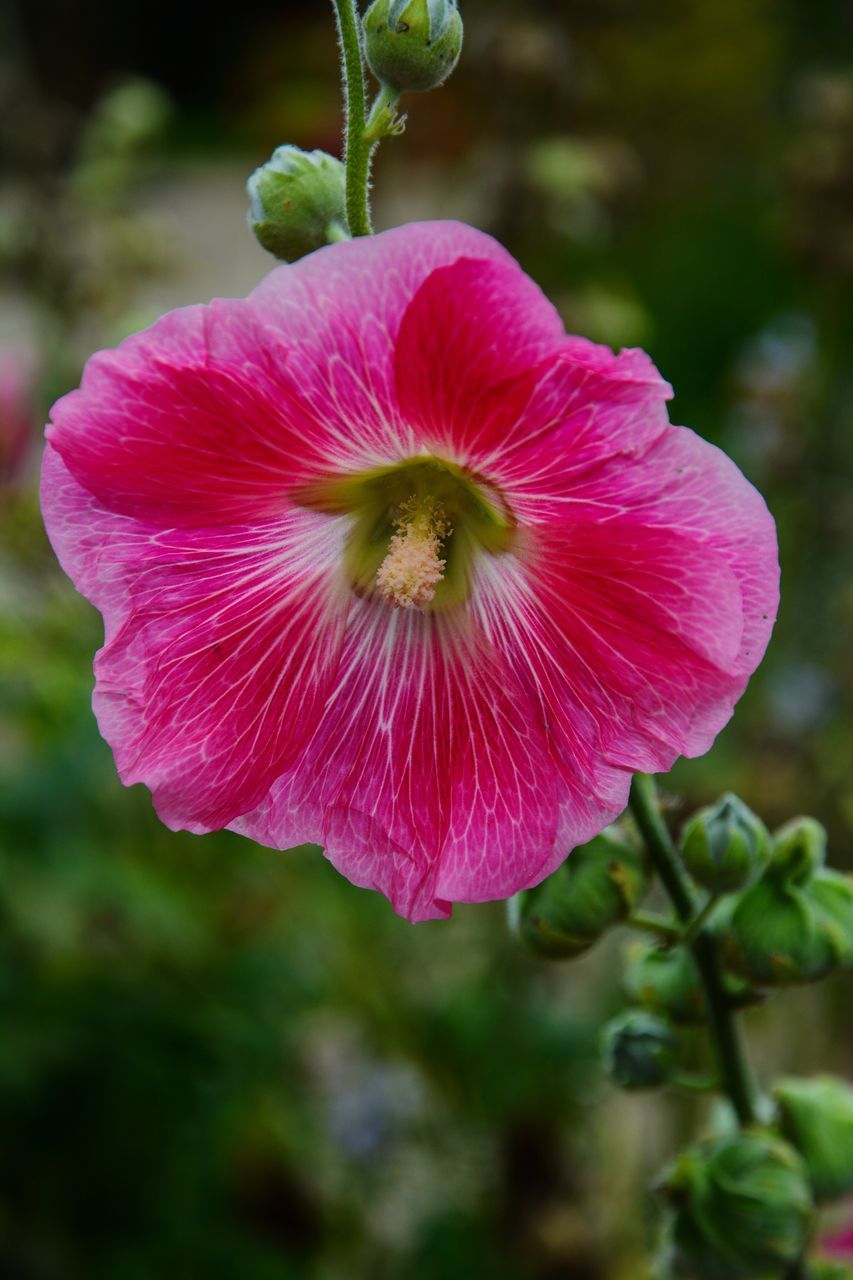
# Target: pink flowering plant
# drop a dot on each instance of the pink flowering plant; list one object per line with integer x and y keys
{"x": 390, "y": 563}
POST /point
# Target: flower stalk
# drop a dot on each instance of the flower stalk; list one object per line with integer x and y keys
{"x": 383, "y": 120}
{"x": 734, "y": 1073}
{"x": 357, "y": 147}
{"x": 658, "y": 926}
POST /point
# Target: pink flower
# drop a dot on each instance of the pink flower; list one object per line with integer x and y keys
{"x": 389, "y": 563}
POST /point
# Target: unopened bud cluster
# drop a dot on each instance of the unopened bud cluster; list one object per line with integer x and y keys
{"x": 816, "y": 1117}
{"x": 741, "y": 1204}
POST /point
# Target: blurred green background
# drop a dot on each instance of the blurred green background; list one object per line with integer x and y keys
{"x": 217, "y": 1061}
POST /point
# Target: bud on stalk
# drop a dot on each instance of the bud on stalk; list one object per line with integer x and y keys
{"x": 665, "y": 981}
{"x": 297, "y": 202}
{"x": 725, "y": 846}
{"x": 597, "y": 886}
{"x": 412, "y": 45}
{"x": 816, "y": 1117}
{"x": 742, "y": 1208}
{"x": 796, "y": 923}
{"x": 639, "y": 1050}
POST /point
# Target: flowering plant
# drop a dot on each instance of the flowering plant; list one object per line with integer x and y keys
{"x": 391, "y": 563}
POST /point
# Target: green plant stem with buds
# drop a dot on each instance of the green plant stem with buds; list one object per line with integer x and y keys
{"x": 734, "y": 1075}
{"x": 658, "y": 926}
{"x": 358, "y": 147}
{"x": 694, "y": 928}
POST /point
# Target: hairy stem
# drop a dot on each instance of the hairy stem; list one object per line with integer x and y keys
{"x": 357, "y": 148}
{"x": 734, "y": 1075}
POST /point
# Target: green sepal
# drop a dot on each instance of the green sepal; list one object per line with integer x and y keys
{"x": 439, "y": 15}
{"x": 796, "y": 923}
{"x": 665, "y": 981}
{"x": 741, "y": 1208}
{"x": 597, "y": 887}
{"x": 799, "y": 851}
{"x": 816, "y": 1117}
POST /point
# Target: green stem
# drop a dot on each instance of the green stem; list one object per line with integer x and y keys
{"x": 734, "y": 1075}
{"x": 357, "y": 149}
{"x": 696, "y": 1083}
{"x": 381, "y": 115}
{"x": 647, "y": 922}
{"x": 696, "y": 925}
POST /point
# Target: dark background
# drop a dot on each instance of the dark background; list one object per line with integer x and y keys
{"x": 217, "y": 1061}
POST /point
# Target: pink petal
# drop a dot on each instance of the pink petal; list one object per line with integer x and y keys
{"x": 427, "y": 779}
{"x": 684, "y": 484}
{"x": 221, "y": 645}
{"x": 216, "y": 414}
{"x": 641, "y": 605}
{"x": 469, "y": 333}
{"x": 195, "y": 421}
{"x": 622, "y": 615}
{"x": 342, "y": 307}
{"x": 489, "y": 378}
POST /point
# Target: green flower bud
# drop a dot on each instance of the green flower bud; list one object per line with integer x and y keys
{"x": 832, "y": 894}
{"x": 775, "y": 937}
{"x": 741, "y": 1208}
{"x": 297, "y": 202}
{"x": 665, "y": 980}
{"x": 639, "y": 1050}
{"x": 412, "y": 44}
{"x": 597, "y": 886}
{"x": 799, "y": 851}
{"x": 796, "y": 923}
{"x": 816, "y": 1117}
{"x": 725, "y": 846}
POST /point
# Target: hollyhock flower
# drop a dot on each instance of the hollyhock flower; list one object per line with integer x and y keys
{"x": 390, "y": 563}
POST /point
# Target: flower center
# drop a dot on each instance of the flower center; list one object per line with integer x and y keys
{"x": 416, "y": 528}
{"x": 412, "y": 569}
